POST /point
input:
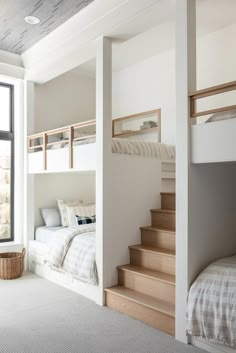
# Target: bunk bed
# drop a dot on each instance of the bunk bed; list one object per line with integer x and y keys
{"x": 134, "y": 163}
{"x": 73, "y": 147}
{"x": 214, "y": 140}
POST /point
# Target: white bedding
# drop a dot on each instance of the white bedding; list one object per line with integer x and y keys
{"x": 132, "y": 147}
{"x": 45, "y": 234}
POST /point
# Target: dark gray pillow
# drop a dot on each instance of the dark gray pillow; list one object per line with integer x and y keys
{"x": 51, "y": 217}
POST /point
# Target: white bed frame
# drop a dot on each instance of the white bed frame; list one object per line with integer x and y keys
{"x": 38, "y": 265}
{"x": 84, "y": 160}
{"x": 215, "y": 141}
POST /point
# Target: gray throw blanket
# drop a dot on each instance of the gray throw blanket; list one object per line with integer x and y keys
{"x": 211, "y": 312}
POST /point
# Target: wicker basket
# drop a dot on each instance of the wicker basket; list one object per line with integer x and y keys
{"x": 11, "y": 264}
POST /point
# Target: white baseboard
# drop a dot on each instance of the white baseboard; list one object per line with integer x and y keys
{"x": 210, "y": 346}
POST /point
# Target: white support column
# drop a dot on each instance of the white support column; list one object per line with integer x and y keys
{"x": 104, "y": 155}
{"x": 28, "y": 178}
{"x": 185, "y": 82}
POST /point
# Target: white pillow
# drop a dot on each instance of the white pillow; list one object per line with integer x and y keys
{"x": 51, "y": 217}
{"x": 82, "y": 211}
{"x": 222, "y": 116}
{"x": 62, "y": 204}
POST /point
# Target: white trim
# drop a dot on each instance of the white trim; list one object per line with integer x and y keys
{"x": 210, "y": 346}
{"x": 185, "y": 82}
{"x": 11, "y": 71}
{"x": 10, "y": 58}
{"x": 104, "y": 153}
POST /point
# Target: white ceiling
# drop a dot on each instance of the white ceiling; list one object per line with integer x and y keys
{"x": 153, "y": 31}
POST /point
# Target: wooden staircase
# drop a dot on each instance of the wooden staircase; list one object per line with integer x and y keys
{"x": 146, "y": 286}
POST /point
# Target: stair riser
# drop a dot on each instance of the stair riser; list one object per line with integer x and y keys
{"x": 159, "y": 239}
{"x": 168, "y": 185}
{"x": 168, "y": 201}
{"x": 151, "y": 261}
{"x": 168, "y": 167}
{"x": 163, "y": 220}
{"x": 151, "y": 317}
{"x": 158, "y": 289}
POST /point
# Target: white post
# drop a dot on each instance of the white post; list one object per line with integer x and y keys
{"x": 185, "y": 82}
{"x": 104, "y": 155}
{"x": 28, "y": 178}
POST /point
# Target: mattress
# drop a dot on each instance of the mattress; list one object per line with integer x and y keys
{"x": 132, "y": 147}
{"x": 45, "y": 234}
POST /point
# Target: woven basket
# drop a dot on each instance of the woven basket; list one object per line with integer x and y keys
{"x": 11, "y": 264}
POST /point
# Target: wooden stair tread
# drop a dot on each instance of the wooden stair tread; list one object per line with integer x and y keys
{"x": 143, "y": 299}
{"x": 141, "y": 247}
{"x": 162, "y": 210}
{"x": 157, "y": 229}
{"x": 159, "y": 276}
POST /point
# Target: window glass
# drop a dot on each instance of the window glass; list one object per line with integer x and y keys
{"x": 5, "y": 189}
{"x": 4, "y": 108}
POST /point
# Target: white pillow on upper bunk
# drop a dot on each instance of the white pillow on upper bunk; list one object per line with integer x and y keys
{"x": 62, "y": 205}
{"x": 222, "y": 116}
{"x": 79, "y": 211}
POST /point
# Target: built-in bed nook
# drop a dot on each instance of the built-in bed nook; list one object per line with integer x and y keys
{"x": 206, "y": 171}
{"x": 85, "y": 178}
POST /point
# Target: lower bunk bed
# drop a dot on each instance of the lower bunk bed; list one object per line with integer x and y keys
{"x": 211, "y": 310}
{"x": 66, "y": 256}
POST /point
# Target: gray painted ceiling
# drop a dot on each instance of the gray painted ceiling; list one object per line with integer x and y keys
{"x": 16, "y": 35}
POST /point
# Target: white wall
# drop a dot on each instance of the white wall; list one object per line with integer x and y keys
{"x": 212, "y": 222}
{"x": 150, "y": 84}
{"x": 145, "y": 86}
{"x": 68, "y": 99}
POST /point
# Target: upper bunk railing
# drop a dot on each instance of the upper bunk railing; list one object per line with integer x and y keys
{"x": 150, "y": 120}
{"x": 69, "y": 130}
{"x": 152, "y": 126}
{"x": 207, "y": 92}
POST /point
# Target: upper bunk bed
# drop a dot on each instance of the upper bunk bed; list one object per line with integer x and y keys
{"x": 73, "y": 147}
{"x": 214, "y": 140}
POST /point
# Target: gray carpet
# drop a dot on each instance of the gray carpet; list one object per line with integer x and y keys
{"x": 37, "y": 316}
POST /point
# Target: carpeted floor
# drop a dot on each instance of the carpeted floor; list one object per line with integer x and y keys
{"x": 37, "y": 316}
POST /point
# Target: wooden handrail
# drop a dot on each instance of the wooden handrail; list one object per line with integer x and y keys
{"x": 207, "y": 92}
{"x": 135, "y": 116}
{"x": 71, "y": 138}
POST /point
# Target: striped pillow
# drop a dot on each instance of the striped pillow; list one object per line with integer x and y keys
{"x": 62, "y": 205}
{"x": 80, "y": 211}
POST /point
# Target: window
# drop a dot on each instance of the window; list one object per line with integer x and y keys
{"x": 6, "y": 163}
